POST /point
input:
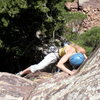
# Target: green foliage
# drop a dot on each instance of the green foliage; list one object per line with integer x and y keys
{"x": 12, "y": 7}
{"x": 17, "y": 50}
{"x": 21, "y": 19}
{"x": 73, "y": 16}
{"x": 1, "y": 44}
{"x": 71, "y": 36}
{"x": 41, "y": 5}
{"x": 92, "y": 36}
{"x": 5, "y": 22}
{"x": 89, "y": 39}
{"x": 63, "y": 17}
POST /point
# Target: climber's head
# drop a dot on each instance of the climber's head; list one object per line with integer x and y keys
{"x": 76, "y": 59}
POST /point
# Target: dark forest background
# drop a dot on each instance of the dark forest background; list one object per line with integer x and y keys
{"x": 26, "y": 26}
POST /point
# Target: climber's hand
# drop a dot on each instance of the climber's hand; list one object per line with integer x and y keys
{"x": 73, "y": 72}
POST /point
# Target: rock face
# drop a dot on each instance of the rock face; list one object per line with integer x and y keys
{"x": 14, "y": 88}
{"x": 83, "y": 86}
{"x": 92, "y": 10}
{"x": 81, "y": 2}
{"x": 89, "y": 7}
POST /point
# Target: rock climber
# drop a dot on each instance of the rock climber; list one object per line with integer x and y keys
{"x": 71, "y": 52}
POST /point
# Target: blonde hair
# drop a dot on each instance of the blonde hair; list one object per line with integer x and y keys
{"x": 78, "y": 48}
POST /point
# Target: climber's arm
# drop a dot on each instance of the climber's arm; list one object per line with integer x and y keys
{"x": 64, "y": 59}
